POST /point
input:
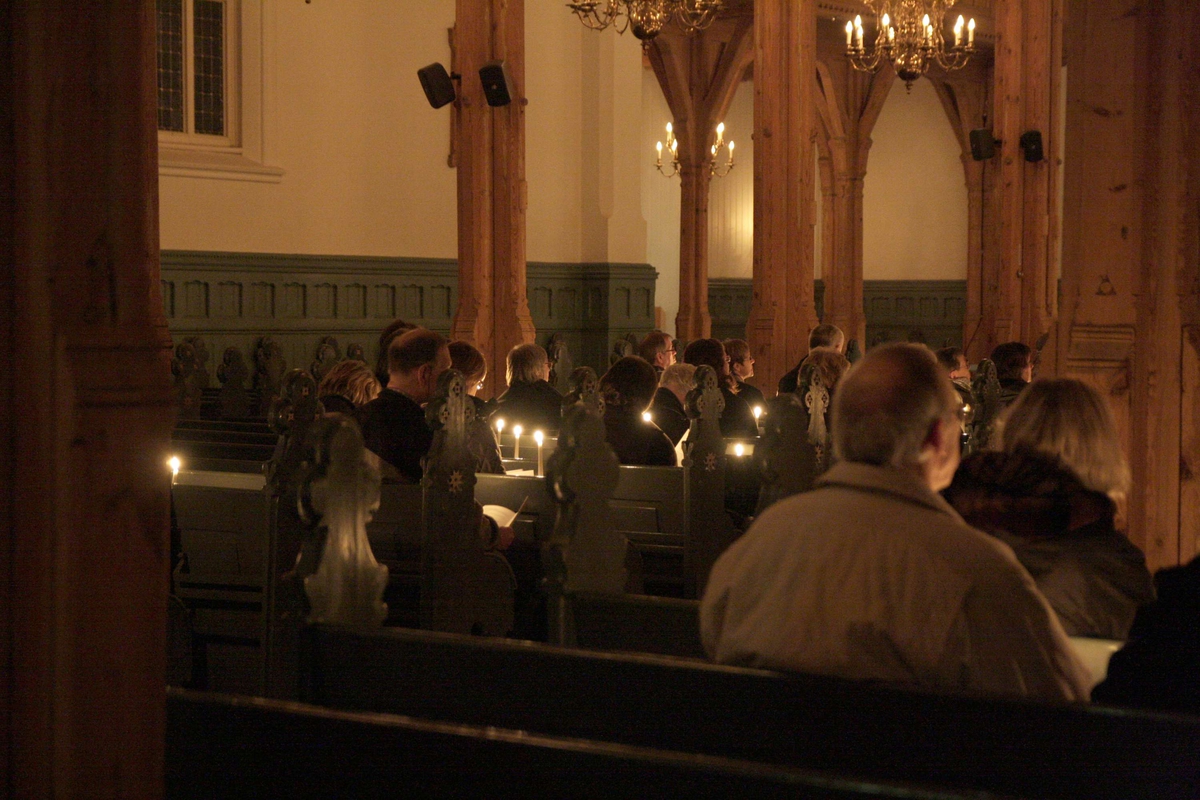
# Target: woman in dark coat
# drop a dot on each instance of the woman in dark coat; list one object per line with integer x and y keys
{"x": 1050, "y": 493}
{"x": 627, "y": 389}
{"x": 737, "y": 420}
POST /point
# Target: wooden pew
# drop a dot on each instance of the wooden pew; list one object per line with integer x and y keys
{"x": 220, "y": 746}
{"x": 223, "y": 519}
{"x": 882, "y": 733}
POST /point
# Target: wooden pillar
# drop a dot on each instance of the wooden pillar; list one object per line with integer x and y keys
{"x": 699, "y": 75}
{"x": 86, "y": 403}
{"x": 782, "y": 312}
{"x": 493, "y": 312}
{"x": 1026, "y": 81}
{"x": 849, "y": 103}
{"x": 964, "y": 98}
{"x": 1131, "y": 261}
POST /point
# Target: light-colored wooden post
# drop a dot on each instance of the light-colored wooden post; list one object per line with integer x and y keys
{"x": 492, "y": 312}
{"x": 782, "y": 311}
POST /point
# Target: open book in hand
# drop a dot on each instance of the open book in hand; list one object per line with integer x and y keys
{"x": 502, "y": 515}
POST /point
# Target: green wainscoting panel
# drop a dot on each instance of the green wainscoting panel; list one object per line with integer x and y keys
{"x": 914, "y": 311}
{"x": 234, "y": 299}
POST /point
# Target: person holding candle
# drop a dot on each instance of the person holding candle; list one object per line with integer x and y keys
{"x": 741, "y": 366}
{"x": 530, "y": 400}
{"x": 627, "y": 389}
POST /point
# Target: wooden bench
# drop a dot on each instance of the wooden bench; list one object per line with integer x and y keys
{"x": 873, "y": 732}
{"x": 223, "y": 520}
{"x": 221, "y": 746}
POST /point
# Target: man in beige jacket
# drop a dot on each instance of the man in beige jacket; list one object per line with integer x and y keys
{"x": 872, "y": 576}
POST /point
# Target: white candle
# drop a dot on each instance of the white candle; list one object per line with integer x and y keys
{"x": 858, "y": 32}
{"x": 499, "y": 430}
{"x": 971, "y": 33}
{"x": 757, "y": 412}
{"x": 539, "y": 437}
{"x": 958, "y": 28}
{"x": 517, "y": 447}
{"x": 849, "y": 34}
{"x": 174, "y": 463}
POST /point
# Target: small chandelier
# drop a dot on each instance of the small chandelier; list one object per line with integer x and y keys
{"x": 910, "y": 37}
{"x": 646, "y": 18}
{"x": 715, "y": 169}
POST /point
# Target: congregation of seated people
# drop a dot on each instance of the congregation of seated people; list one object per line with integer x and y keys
{"x": 907, "y": 562}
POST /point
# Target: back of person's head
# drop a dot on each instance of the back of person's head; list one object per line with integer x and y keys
{"x": 886, "y": 405}
{"x": 707, "y": 352}
{"x": 386, "y": 337}
{"x": 526, "y": 364}
{"x": 1069, "y": 419}
{"x": 679, "y": 378}
{"x": 1011, "y": 358}
{"x": 655, "y": 342}
{"x": 827, "y": 335}
{"x": 414, "y": 349}
{"x": 949, "y": 357}
{"x": 352, "y": 380}
{"x": 466, "y": 358}
{"x": 828, "y": 363}
{"x": 629, "y": 384}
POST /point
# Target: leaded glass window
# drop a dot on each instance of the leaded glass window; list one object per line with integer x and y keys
{"x": 192, "y": 66}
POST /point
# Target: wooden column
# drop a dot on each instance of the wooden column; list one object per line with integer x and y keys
{"x": 493, "y": 312}
{"x": 86, "y": 403}
{"x": 1026, "y": 81}
{"x": 782, "y": 311}
{"x": 964, "y": 98}
{"x": 1130, "y": 321}
{"x": 699, "y": 75}
{"x": 849, "y": 103}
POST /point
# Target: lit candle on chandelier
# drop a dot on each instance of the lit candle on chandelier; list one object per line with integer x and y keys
{"x": 971, "y": 33}
{"x": 539, "y": 437}
{"x": 858, "y": 32}
{"x": 958, "y": 29}
{"x": 658, "y": 148}
{"x": 928, "y": 29}
{"x": 517, "y": 447}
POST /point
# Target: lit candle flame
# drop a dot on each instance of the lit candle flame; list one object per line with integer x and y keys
{"x": 174, "y": 463}
{"x": 539, "y": 437}
{"x": 500, "y": 426}
{"x": 739, "y": 450}
{"x": 757, "y": 412}
{"x": 517, "y": 429}
{"x": 646, "y": 416}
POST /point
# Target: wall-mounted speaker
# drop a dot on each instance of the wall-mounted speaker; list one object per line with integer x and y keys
{"x": 1031, "y": 143}
{"x": 983, "y": 146}
{"x": 438, "y": 85}
{"x": 497, "y": 85}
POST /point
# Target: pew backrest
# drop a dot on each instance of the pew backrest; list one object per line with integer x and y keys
{"x": 980, "y": 743}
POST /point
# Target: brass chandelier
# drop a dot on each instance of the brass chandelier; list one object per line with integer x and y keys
{"x": 910, "y": 37}
{"x": 646, "y": 18}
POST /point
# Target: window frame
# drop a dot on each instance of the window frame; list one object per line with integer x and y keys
{"x": 239, "y": 154}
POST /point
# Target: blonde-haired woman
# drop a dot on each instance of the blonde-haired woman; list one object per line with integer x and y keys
{"x": 1050, "y": 491}
{"x": 348, "y": 385}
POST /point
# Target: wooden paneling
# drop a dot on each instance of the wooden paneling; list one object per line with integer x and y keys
{"x": 353, "y": 298}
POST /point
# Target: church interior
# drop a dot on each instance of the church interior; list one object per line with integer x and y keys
{"x": 270, "y": 176}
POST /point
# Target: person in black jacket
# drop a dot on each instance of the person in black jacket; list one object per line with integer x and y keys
{"x": 737, "y": 420}
{"x": 530, "y": 400}
{"x": 667, "y": 408}
{"x": 1050, "y": 495}
{"x": 826, "y": 335}
{"x": 627, "y": 389}
{"x": 741, "y": 367}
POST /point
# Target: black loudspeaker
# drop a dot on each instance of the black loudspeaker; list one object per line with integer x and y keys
{"x": 983, "y": 146}
{"x": 1031, "y": 143}
{"x": 496, "y": 83}
{"x": 439, "y": 88}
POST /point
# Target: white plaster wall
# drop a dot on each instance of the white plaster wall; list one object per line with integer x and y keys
{"x": 363, "y": 154}
{"x": 914, "y": 194}
{"x": 731, "y": 199}
{"x": 660, "y": 202}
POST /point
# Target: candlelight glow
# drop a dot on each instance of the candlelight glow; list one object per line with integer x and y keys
{"x": 538, "y": 437}
{"x": 757, "y": 412}
{"x": 646, "y": 416}
{"x": 174, "y": 463}
{"x": 739, "y": 450}
{"x": 500, "y": 426}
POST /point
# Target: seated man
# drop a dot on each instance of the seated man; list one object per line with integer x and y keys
{"x": 872, "y": 575}
{"x": 822, "y": 336}
{"x": 627, "y": 389}
{"x": 393, "y": 424}
{"x": 658, "y": 349}
{"x": 529, "y": 400}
